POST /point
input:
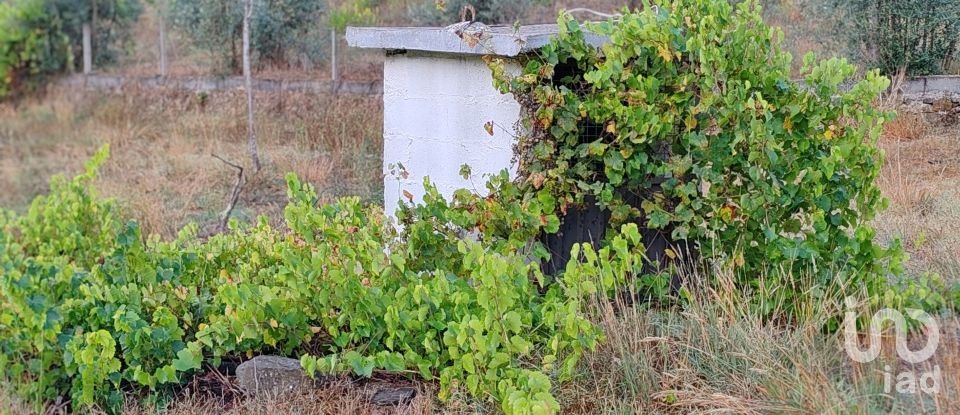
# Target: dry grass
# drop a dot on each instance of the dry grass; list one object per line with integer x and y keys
{"x": 337, "y": 397}
{"x": 719, "y": 356}
{"x": 922, "y": 181}
{"x": 161, "y": 167}
{"x": 341, "y": 397}
{"x": 906, "y": 127}
{"x": 808, "y": 26}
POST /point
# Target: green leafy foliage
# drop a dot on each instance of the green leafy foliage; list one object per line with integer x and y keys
{"x": 356, "y": 12}
{"x": 920, "y": 36}
{"x": 40, "y": 38}
{"x": 691, "y": 111}
{"x": 442, "y": 13}
{"x": 111, "y": 35}
{"x": 31, "y": 45}
{"x": 90, "y": 308}
{"x": 280, "y": 30}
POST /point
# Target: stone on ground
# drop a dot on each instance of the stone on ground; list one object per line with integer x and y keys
{"x": 393, "y": 396}
{"x": 271, "y": 375}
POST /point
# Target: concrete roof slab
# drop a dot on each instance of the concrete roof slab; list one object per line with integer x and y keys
{"x": 466, "y": 38}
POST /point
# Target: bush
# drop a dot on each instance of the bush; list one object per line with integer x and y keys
{"x": 487, "y": 11}
{"x": 921, "y": 36}
{"x": 357, "y": 12}
{"x": 687, "y": 123}
{"x": 280, "y": 29}
{"x": 41, "y": 38}
{"x": 90, "y": 309}
{"x": 115, "y": 19}
{"x": 32, "y": 46}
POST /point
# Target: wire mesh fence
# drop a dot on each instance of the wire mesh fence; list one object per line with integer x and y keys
{"x": 160, "y": 47}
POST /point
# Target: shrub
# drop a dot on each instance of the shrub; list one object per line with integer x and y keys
{"x": 921, "y": 36}
{"x": 32, "y": 45}
{"x": 431, "y": 12}
{"x": 279, "y": 28}
{"x": 357, "y": 12}
{"x": 115, "y": 19}
{"x": 91, "y": 309}
{"x": 687, "y": 123}
{"x": 41, "y": 38}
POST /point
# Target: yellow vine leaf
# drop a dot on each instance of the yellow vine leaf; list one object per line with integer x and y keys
{"x": 664, "y": 53}
{"x": 488, "y": 126}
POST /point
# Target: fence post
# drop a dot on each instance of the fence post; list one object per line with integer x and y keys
{"x": 333, "y": 54}
{"x": 163, "y": 48}
{"x": 87, "y": 50}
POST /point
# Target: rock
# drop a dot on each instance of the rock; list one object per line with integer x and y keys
{"x": 393, "y": 396}
{"x": 916, "y": 107}
{"x": 943, "y": 104}
{"x": 951, "y": 117}
{"x": 271, "y": 375}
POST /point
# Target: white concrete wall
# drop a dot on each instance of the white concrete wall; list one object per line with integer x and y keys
{"x": 435, "y": 107}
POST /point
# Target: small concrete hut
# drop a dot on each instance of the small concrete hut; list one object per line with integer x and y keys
{"x": 438, "y": 94}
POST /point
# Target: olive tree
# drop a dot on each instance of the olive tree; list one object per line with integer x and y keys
{"x": 920, "y": 36}
{"x": 430, "y": 12}
{"x": 278, "y": 28}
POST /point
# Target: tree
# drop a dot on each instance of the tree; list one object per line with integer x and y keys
{"x": 31, "y": 45}
{"x": 40, "y": 38}
{"x": 280, "y": 29}
{"x": 921, "y": 36}
{"x": 431, "y": 12}
{"x": 356, "y": 12}
{"x": 112, "y": 21}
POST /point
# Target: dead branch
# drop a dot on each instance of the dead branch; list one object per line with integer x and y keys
{"x": 235, "y": 195}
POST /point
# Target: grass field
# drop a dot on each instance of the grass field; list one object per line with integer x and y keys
{"x": 162, "y": 169}
{"x": 715, "y": 356}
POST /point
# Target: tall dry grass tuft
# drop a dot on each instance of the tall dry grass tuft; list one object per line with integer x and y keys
{"x": 907, "y": 126}
{"x": 717, "y": 354}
